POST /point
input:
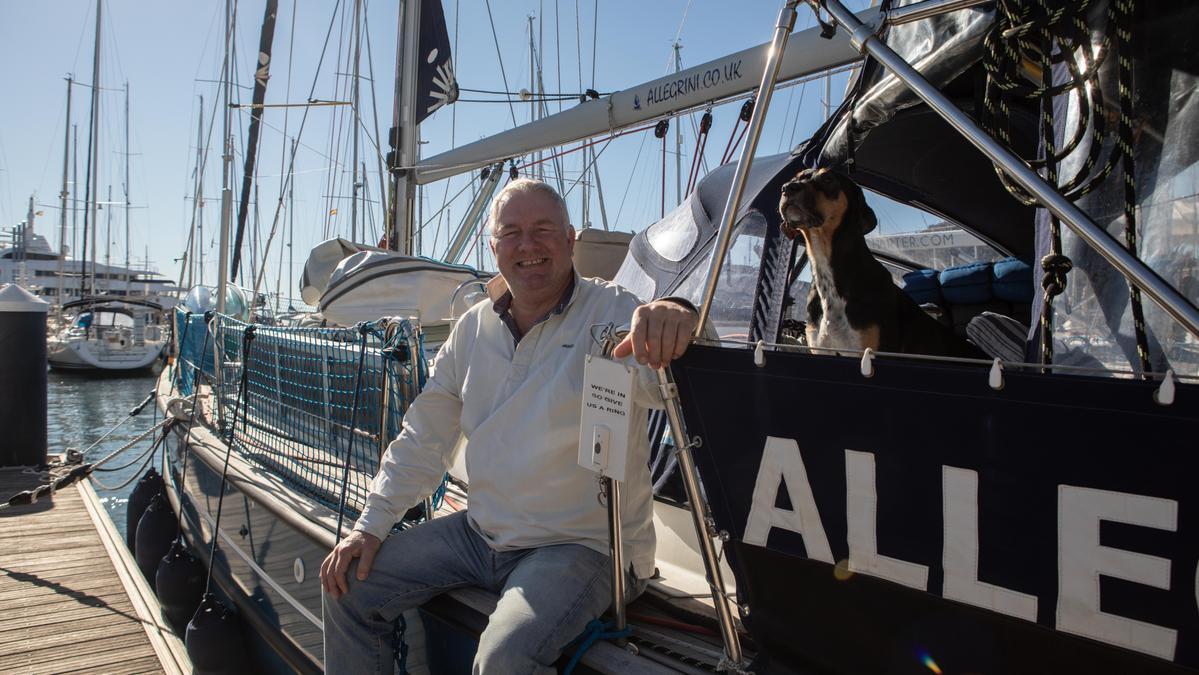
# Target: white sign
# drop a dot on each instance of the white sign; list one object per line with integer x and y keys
{"x": 604, "y": 424}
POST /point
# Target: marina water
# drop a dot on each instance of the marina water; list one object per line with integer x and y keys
{"x": 81, "y": 409}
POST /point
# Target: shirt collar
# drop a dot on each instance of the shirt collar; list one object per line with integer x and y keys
{"x": 501, "y": 302}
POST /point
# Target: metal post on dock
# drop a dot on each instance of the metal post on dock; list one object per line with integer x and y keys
{"x": 22, "y": 376}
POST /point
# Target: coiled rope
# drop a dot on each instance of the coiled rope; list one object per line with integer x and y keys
{"x": 1053, "y": 34}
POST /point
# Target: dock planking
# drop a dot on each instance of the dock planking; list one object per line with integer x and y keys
{"x": 71, "y": 599}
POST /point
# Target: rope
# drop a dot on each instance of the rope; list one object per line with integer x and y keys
{"x": 27, "y": 497}
{"x": 1057, "y": 34}
{"x": 660, "y": 130}
{"x": 122, "y": 467}
{"x": 701, "y": 142}
{"x": 1124, "y": 51}
{"x": 1018, "y": 37}
{"x": 1055, "y": 265}
{"x": 596, "y": 630}
{"x": 345, "y": 475}
{"x": 247, "y": 342}
{"x": 581, "y": 146}
{"x": 137, "y": 409}
{"x": 148, "y": 456}
{"x": 747, "y": 112}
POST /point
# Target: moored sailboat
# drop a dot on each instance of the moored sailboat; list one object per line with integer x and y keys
{"x": 792, "y": 484}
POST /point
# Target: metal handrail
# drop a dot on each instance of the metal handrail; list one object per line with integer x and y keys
{"x": 778, "y": 44}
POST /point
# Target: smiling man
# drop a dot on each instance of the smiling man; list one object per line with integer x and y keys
{"x": 509, "y": 379}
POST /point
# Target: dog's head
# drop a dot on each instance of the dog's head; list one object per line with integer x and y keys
{"x": 823, "y": 198}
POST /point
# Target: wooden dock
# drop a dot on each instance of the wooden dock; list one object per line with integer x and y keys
{"x": 71, "y": 596}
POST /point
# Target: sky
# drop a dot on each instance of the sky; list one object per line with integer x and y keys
{"x": 170, "y": 54}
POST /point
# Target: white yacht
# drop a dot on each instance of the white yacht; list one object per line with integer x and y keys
{"x": 28, "y": 261}
{"x": 108, "y": 335}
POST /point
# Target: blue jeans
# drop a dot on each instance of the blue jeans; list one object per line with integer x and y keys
{"x": 547, "y": 597}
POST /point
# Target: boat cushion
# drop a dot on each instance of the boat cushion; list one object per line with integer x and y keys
{"x": 966, "y": 283}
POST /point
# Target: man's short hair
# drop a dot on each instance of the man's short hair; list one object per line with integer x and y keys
{"x": 523, "y": 186}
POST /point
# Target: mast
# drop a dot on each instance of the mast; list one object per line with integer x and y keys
{"x": 226, "y": 163}
{"x": 75, "y": 199}
{"x": 90, "y": 205}
{"x": 201, "y": 163}
{"x": 261, "y": 75}
{"x": 533, "y": 93}
{"x": 127, "y": 275}
{"x": 291, "y": 233}
{"x": 357, "y": 121}
{"x": 189, "y": 260}
{"x": 403, "y": 132}
{"x": 64, "y": 195}
{"x": 25, "y": 234}
{"x": 108, "y": 241}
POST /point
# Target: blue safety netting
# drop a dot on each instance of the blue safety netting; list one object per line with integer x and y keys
{"x": 305, "y": 403}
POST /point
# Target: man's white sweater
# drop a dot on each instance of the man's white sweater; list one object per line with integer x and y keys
{"x": 518, "y": 406}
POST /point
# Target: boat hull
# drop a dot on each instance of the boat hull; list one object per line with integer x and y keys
{"x": 96, "y": 356}
{"x": 930, "y": 512}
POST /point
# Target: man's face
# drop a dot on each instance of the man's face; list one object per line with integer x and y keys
{"x": 532, "y": 248}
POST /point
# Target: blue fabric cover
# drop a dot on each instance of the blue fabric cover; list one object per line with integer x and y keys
{"x": 967, "y": 283}
{"x": 1013, "y": 281}
{"x": 922, "y": 286}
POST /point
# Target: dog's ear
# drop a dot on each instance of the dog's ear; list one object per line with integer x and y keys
{"x": 869, "y": 220}
{"x": 857, "y": 200}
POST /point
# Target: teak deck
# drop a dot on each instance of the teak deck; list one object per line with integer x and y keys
{"x": 71, "y": 597}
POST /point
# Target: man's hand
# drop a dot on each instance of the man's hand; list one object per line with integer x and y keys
{"x": 661, "y": 331}
{"x": 333, "y": 569}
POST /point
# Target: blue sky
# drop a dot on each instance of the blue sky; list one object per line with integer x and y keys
{"x": 168, "y": 52}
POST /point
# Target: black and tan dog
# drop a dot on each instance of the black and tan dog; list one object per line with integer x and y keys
{"x": 853, "y": 302}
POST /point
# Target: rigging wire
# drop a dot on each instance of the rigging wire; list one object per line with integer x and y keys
{"x": 595, "y": 157}
{"x": 374, "y": 140}
{"x": 290, "y": 174}
{"x": 291, "y": 44}
{"x": 500, "y": 58}
{"x": 453, "y": 141}
{"x": 445, "y": 204}
{"x": 332, "y": 187}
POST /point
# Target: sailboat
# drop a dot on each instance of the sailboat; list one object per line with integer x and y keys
{"x": 817, "y": 512}
{"x": 104, "y": 333}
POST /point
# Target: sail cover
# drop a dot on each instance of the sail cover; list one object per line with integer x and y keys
{"x": 373, "y": 284}
{"x": 436, "y": 81}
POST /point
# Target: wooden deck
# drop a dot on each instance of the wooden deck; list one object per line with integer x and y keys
{"x": 71, "y": 596}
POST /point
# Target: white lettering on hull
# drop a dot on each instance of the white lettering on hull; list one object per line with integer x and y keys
{"x": 781, "y": 462}
{"x": 1081, "y": 560}
{"x": 861, "y": 520}
{"x": 960, "y": 555}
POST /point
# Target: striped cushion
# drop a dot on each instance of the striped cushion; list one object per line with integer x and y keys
{"x": 999, "y": 336}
